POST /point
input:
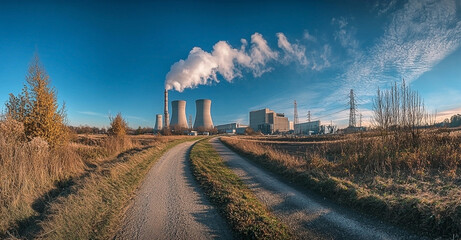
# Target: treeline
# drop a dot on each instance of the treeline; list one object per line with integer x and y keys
{"x": 454, "y": 121}
{"x": 95, "y": 130}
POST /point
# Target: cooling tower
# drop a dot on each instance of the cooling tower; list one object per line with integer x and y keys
{"x": 203, "y": 115}
{"x": 158, "y": 123}
{"x": 178, "y": 114}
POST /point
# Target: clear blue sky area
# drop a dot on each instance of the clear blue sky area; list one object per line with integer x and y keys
{"x": 110, "y": 57}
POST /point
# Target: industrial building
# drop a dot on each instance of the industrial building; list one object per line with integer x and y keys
{"x": 230, "y": 127}
{"x": 268, "y": 122}
{"x": 203, "y": 119}
{"x": 313, "y": 128}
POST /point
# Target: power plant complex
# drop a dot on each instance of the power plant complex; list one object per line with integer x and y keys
{"x": 265, "y": 121}
{"x": 203, "y": 120}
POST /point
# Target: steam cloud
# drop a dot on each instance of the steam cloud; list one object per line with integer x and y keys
{"x": 201, "y": 67}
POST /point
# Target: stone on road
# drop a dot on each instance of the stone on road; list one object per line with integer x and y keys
{"x": 308, "y": 215}
{"x": 170, "y": 204}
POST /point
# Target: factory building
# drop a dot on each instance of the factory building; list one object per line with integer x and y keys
{"x": 313, "y": 128}
{"x": 230, "y": 127}
{"x": 268, "y": 121}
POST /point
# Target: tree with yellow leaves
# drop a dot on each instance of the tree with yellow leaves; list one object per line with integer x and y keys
{"x": 37, "y": 108}
{"x": 118, "y": 126}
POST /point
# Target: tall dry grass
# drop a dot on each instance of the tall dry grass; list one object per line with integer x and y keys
{"x": 406, "y": 180}
{"x": 29, "y": 170}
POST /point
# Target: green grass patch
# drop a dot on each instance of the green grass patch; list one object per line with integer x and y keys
{"x": 247, "y": 216}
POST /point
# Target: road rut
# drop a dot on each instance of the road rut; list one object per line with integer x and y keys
{"x": 309, "y": 216}
{"x": 171, "y": 205}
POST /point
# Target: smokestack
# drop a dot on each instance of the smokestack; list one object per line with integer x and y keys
{"x": 158, "y": 123}
{"x": 178, "y": 114}
{"x": 203, "y": 115}
{"x": 167, "y": 116}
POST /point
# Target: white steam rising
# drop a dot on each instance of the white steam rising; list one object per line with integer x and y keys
{"x": 201, "y": 67}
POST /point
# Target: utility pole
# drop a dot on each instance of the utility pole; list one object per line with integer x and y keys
{"x": 295, "y": 117}
{"x": 352, "y": 110}
{"x": 309, "y": 116}
{"x": 190, "y": 121}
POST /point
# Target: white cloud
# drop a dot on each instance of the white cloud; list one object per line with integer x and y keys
{"x": 417, "y": 37}
{"x": 292, "y": 52}
{"x": 309, "y": 37}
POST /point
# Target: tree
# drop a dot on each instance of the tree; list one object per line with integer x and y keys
{"x": 118, "y": 126}
{"x": 37, "y": 108}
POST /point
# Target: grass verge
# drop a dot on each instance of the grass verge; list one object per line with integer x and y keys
{"x": 94, "y": 205}
{"x": 246, "y": 215}
{"x": 405, "y": 201}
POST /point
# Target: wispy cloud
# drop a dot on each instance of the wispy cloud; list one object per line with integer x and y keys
{"x": 137, "y": 118}
{"x": 292, "y": 51}
{"x": 417, "y": 37}
{"x": 89, "y": 113}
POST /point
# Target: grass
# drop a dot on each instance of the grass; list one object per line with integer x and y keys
{"x": 414, "y": 184}
{"x": 247, "y": 216}
{"x": 39, "y": 183}
{"x": 94, "y": 209}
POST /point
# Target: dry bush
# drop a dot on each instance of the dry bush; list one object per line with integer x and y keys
{"x": 28, "y": 170}
{"x": 118, "y": 126}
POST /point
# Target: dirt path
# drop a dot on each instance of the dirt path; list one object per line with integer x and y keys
{"x": 308, "y": 215}
{"x": 171, "y": 205}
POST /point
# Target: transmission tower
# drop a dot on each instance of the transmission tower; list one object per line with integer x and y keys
{"x": 352, "y": 122}
{"x": 295, "y": 117}
{"x": 309, "y": 116}
{"x": 190, "y": 121}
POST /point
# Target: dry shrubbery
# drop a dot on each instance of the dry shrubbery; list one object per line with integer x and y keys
{"x": 413, "y": 182}
{"x": 35, "y": 153}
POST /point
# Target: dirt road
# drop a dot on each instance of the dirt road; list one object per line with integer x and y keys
{"x": 309, "y": 216}
{"x": 171, "y": 205}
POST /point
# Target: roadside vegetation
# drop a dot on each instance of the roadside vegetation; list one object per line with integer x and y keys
{"x": 57, "y": 184}
{"x": 401, "y": 171}
{"x": 246, "y": 215}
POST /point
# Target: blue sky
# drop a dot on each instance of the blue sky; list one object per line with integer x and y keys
{"x": 111, "y": 57}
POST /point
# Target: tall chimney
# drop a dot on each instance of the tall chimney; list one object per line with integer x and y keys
{"x": 178, "y": 114}
{"x": 203, "y": 115}
{"x": 167, "y": 116}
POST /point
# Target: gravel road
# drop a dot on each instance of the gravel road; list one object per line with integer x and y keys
{"x": 310, "y": 216}
{"x": 171, "y": 205}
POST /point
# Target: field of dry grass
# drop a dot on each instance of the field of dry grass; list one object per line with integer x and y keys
{"x": 410, "y": 181}
{"x": 33, "y": 175}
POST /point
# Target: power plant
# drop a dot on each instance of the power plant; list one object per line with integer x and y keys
{"x": 158, "y": 123}
{"x": 178, "y": 114}
{"x": 203, "y": 114}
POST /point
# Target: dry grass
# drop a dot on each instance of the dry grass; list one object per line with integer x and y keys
{"x": 409, "y": 181}
{"x": 33, "y": 175}
{"x": 245, "y": 214}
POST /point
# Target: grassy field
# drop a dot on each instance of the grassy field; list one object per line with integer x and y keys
{"x": 246, "y": 215}
{"x": 38, "y": 184}
{"x": 407, "y": 181}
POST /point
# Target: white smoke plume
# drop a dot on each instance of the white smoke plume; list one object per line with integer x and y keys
{"x": 201, "y": 67}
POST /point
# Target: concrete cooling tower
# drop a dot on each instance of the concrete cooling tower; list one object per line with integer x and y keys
{"x": 178, "y": 114}
{"x": 203, "y": 115}
{"x": 158, "y": 123}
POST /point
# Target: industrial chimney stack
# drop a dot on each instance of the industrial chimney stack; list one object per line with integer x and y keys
{"x": 203, "y": 115}
{"x": 178, "y": 114}
{"x": 167, "y": 116}
{"x": 158, "y": 123}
